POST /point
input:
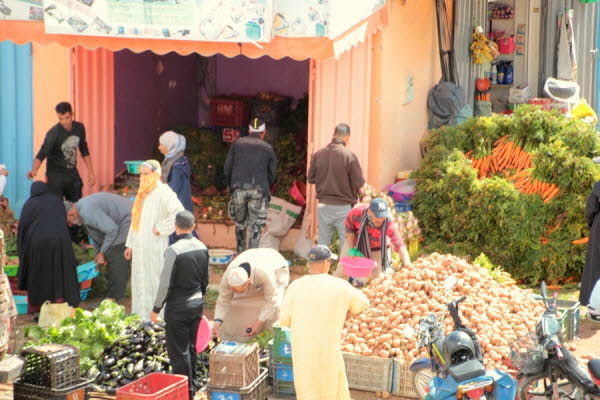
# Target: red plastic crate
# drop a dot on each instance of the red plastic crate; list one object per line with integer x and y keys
{"x": 156, "y": 386}
{"x": 228, "y": 112}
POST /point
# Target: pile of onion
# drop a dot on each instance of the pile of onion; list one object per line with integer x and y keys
{"x": 497, "y": 313}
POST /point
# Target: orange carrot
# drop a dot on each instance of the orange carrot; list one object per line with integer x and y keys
{"x": 581, "y": 241}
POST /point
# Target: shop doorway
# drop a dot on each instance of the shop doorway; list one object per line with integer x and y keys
{"x": 210, "y": 100}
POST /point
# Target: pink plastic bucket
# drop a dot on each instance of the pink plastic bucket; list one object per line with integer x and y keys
{"x": 357, "y": 267}
{"x": 203, "y": 335}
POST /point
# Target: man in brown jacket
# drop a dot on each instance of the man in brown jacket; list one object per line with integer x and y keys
{"x": 336, "y": 172}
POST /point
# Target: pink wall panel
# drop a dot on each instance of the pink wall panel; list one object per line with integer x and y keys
{"x": 94, "y": 106}
{"x": 340, "y": 91}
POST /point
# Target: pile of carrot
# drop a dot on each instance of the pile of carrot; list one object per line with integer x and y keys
{"x": 524, "y": 183}
{"x": 506, "y": 155}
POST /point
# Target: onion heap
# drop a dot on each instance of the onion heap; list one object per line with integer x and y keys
{"x": 497, "y": 313}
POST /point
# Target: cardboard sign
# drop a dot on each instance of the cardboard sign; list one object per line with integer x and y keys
{"x": 230, "y": 135}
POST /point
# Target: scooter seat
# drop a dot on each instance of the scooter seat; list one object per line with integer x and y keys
{"x": 594, "y": 367}
{"x": 467, "y": 370}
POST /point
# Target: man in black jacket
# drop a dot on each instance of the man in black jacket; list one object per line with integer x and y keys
{"x": 183, "y": 283}
{"x": 336, "y": 172}
{"x": 250, "y": 171}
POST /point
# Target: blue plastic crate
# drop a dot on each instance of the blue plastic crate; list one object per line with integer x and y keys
{"x": 282, "y": 348}
{"x": 283, "y": 380}
{"x": 21, "y": 302}
{"x": 87, "y": 271}
{"x": 84, "y": 293}
{"x": 403, "y": 207}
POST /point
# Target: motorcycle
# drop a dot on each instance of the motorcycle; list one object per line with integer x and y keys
{"x": 546, "y": 368}
{"x": 454, "y": 368}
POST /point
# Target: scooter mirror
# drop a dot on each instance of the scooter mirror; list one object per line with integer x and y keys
{"x": 408, "y": 331}
{"x": 450, "y": 282}
{"x": 431, "y": 318}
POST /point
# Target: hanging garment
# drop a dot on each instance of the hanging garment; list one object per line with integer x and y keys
{"x": 566, "y": 63}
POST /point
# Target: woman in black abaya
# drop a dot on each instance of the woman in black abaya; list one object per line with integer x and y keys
{"x": 47, "y": 264}
{"x": 591, "y": 272}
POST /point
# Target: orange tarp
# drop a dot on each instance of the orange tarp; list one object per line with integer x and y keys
{"x": 299, "y": 49}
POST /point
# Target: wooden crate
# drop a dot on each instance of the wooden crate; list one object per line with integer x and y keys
{"x": 371, "y": 374}
{"x": 234, "y": 364}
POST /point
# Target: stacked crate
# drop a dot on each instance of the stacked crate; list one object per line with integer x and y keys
{"x": 281, "y": 369}
{"x": 52, "y": 373}
{"x": 234, "y": 372}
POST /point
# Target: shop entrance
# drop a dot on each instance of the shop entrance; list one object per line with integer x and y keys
{"x": 210, "y": 100}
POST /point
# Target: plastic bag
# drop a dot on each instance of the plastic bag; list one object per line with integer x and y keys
{"x": 582, "y": 111}
{"x": 595, "y": 297}
{"x": 52, "y": 314}
{"x": 280, "y": 219}
{"x": 303, "y": 244}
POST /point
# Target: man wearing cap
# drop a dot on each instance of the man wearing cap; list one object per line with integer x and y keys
{"x": 368, "y": 229}
{"x": 250, "y": 171}
{"x": 251, "y": 294}
{"x": 106, "y": 218}
{"x": 337, "y": 176}
{"x": 315, "y": 308}
{"x": 152, "y": 221}
{"x": 183, "y": 283}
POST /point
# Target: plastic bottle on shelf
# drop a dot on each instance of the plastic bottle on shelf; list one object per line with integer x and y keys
{"x": 501, "y": 72}
{"x": 494, "y": 75}
{"x": 508, "y": 74}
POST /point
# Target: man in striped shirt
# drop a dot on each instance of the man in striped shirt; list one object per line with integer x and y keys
{"x": 368, "y": 229}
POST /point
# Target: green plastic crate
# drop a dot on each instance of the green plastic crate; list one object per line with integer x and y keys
{"x": 282, "y": 348}
{"x": 570, "y": 318}
{"x": 11, "y": 270}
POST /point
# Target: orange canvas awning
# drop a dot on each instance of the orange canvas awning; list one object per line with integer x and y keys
{"x": 297, "y": 48}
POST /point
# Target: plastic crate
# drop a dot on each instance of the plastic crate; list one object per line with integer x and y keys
{"x": 83, "y": 294}
{"x": 234, "y": 364}
{"x": 402, "y": 207}
{"x": 11, "y": 270}
{"x": 228, "y": 112}
{"x": 22, "y": 304}
{"x": 402, "y": 384}
{"x": 257, "y": 390}
{"x": 282, "y": 348}
{"x": 27, "y": 391}
{"x": 570, "y": 318}
{"x": 53, "y": 366}
{"x": 283, "y": 380}
{"x": 413, "y": 247}
{"x": 156, "y": 386}
{"x": 371, "y": 374}
{"x": 87, "y": 271}
{"x": 14, "y": 283}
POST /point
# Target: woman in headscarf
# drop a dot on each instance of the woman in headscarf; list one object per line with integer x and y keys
{"x": 47, "y": 264}
{"x": 176, "y": 169}
{"x": 152, "y": 221}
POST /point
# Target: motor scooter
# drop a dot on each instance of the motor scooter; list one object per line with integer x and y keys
{"x": 454, "y": 368}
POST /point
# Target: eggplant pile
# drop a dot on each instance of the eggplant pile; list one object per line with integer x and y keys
{"x": 140, "y": 351}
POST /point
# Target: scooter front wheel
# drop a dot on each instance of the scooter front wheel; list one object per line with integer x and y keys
{"x": 538, "y": 387}
{"x": 421, "y": 379}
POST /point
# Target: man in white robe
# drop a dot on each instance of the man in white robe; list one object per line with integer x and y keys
{"x": 152, "y": 221}
{"x": 315, "y": 308}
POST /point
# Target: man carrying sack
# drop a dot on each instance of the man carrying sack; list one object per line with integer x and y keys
{"x": 251, "y": 294}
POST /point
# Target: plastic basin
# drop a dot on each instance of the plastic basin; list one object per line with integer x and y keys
{"x": 203, "y": 335}
{"x": 403, "y": 191}
{"x": 11, "y": 270}
{"x": 357, "y": 267}
{"x": 21, "y": 303}
{"x": 133, "y": 167}
{"x": 220, "y": 256}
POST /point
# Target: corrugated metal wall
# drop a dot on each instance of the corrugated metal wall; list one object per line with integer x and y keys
{"x": 467, "y": 15}
{"x": 585, "y": 22}
{"x": 16, "y": 120}
{"x": 94, "y": 105}
{"x": 340, "y": 91}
